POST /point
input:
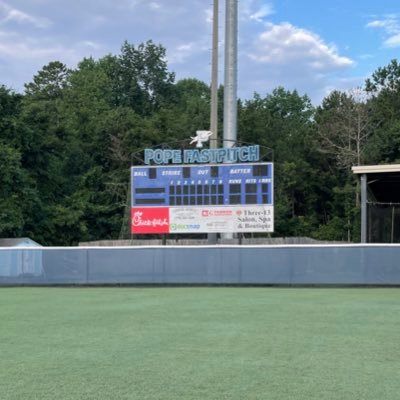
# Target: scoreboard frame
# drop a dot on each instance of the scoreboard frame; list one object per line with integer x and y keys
{"x": 202, "y": 198}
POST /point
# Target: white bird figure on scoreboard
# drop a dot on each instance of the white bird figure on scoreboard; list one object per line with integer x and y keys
{"x": 200, "y": 138}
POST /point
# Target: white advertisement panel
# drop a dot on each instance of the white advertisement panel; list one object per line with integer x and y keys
{"x": 259, "y": 218}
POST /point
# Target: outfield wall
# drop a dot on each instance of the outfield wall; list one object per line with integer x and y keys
{"x": 204, "y": 265}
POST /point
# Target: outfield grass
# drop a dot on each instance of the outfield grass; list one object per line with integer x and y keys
{"x": 199, "y": 343}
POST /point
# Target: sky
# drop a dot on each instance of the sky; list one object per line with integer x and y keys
{"x": 313, "y": 46}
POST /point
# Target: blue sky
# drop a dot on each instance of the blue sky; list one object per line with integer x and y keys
{"x": 313, "y": 46}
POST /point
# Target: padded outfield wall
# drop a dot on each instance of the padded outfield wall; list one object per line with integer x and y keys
{"x": 205, "y": 265}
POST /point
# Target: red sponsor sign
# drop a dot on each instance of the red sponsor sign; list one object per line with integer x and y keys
{"x": 150, "y": 220}
{"x": 217, "y": 213}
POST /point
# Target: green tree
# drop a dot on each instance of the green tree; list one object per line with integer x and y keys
{"x": 283, "y": 121}
{"x": 17, "y": 195}
{"x": 49, "y": 82}
{"x": 10, "y": 105}
{"x": 18, "y": 198}
{"x": 345, "y": 126}
{"x": 344, "y": 122}
{"x": 187, "y": 111}
{"x": 142, "y": 81}
{"x": 384, "y": 86}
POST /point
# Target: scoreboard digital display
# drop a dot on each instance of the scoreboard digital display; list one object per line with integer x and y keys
{"x": 202, "y": 198}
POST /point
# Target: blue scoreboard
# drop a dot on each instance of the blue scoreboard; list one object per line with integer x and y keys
{"x": 198, "y": 185}
{"x": 202, "y": 198}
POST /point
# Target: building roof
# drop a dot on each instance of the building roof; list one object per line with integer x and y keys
{"x": 18, "y": 242}
{"x": 383, "y": 182}
{"x": 375, "y": 169}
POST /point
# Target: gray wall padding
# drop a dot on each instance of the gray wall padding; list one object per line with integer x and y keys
{"x": 264, "y": 265}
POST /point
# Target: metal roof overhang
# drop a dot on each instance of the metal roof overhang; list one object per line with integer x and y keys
{"x": 383, "y": 181}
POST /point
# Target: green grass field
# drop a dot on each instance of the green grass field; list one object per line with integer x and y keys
{"x": 199, "y": 343}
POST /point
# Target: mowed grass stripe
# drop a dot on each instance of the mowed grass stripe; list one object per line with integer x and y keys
{"x": 199, "y": 343}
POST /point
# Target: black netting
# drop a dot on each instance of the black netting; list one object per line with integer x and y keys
{"x": 383, "y": 223}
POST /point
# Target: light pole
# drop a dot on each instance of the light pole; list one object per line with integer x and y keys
{"x": 230, "y": 81}
{"x": 214, "y": 79}
{"x": 212, "y": 237}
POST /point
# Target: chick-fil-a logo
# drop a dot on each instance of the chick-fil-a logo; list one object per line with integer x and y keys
{"x": 138, "y": 221}
{"x": 150, "y": 220}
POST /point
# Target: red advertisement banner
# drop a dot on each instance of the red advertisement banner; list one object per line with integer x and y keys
{"x": 150, "y": 220}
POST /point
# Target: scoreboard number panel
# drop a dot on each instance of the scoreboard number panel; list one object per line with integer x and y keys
{"x": 202, "y": 198}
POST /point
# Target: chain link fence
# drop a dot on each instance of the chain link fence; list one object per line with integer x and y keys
{"x": 383, "y": 222}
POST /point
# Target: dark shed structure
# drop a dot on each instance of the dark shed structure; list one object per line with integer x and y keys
{"x": 380, "y": 203}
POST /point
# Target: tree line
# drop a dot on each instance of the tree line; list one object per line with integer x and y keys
{"x": 66, "y": 144}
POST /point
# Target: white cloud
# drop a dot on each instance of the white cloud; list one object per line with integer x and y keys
{"x": 376, "y": 24}
{"x": 21, "y": 57}
{"x": 185, "y": 47}
{"x": 6, "y": 34}
{"x": 262, "y": 13}
{"x": 393, "y": 41}
{"x": 21, "y": 50}
{"x": 390, "y": 24}
{"x": 40, "y": 51}
{"x": 182, "y": 52}
{"x": 286, "y": 44}
{"x": 209, "y": 15}
{"x": 269, "y": 55}
{"x": 134, "y": 3}
{"x": 95, "y": 21}
{"x": 10, "y": 14}
{"x": 365, "y": 56}
{"x": 292, "y": 57}
{"x": 255, "y": 10}
{"x": 91, "y": 45}
{"x": 154, "y": 6}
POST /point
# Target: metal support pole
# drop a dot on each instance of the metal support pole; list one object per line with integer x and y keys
{"x": 364, "y": 208}
{"x": 230, "y": 81}
{"x": 392, "y": 233}
{"x": 214, "y": 80}
{"x": 212, "y": 237}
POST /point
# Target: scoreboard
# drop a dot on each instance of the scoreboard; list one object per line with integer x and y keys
{"x": 202, "y": 198}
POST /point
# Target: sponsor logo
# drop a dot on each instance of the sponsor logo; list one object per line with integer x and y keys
{"x": 216, "y": 213}
{"x": 185, "y": 227}
{"x": 138, "y": 221}
{"x": 150, "y": 220}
